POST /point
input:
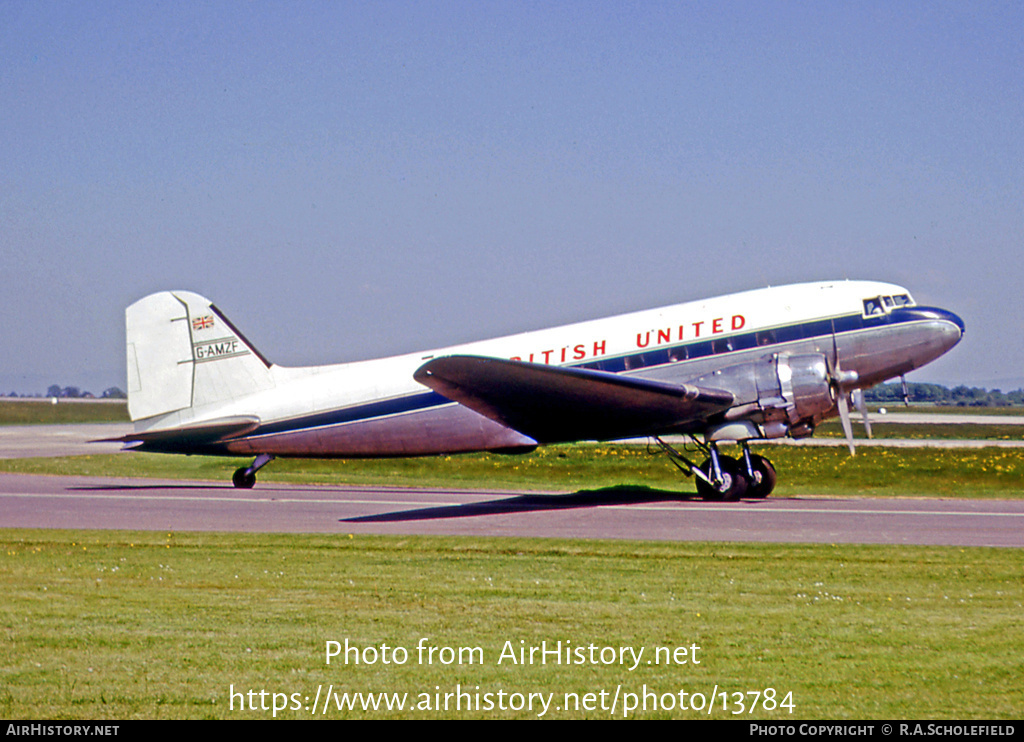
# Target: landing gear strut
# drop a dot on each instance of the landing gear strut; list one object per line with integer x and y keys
{"x": 723, "y": 477}
{"x": 245, "y": 477}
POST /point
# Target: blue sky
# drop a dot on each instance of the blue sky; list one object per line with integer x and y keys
{"x": 349, "y": 180}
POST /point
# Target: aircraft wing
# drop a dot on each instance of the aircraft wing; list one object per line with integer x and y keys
{"x": 555, "y": 404}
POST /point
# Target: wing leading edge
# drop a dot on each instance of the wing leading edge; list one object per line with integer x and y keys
{"x": 553, "y": 404}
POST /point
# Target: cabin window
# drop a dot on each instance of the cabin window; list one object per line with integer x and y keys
{"x": 721, "y": 345}
{"x": 678, "y": 353}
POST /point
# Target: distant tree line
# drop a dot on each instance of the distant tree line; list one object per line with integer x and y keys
{"x": 73, "y": 392}
{"x": 958, "y": 396}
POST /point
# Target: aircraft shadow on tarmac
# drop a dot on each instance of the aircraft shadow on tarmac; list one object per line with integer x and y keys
{"x": 617, "y": 495}
{"x": 134, "y": 487}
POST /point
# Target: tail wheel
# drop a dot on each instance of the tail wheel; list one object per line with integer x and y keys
{"x": 733, "y": 485}
{"x": 764, "y": 478}
{"x": 243, "y": 479}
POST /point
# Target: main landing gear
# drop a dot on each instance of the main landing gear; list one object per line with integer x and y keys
{"x": 245, "y": 477}
{"x": 723, "y": 477}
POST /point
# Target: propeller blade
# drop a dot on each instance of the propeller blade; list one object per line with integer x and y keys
{"x": 844, "y": 416}
{"x": 862, "y": 408}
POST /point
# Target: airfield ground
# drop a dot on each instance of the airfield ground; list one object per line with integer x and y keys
{"x": 114, "y": 624}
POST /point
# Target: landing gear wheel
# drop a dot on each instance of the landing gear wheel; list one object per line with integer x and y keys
{"x": 734, "y": 481}
{"x": 764, "y": 477}
{"x": 245, "y": 477}
{"x": 242, "y": 479}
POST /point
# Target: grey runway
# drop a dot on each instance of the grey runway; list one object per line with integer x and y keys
{"x": 621, "y": 513}
{"x": 28, "y": 441}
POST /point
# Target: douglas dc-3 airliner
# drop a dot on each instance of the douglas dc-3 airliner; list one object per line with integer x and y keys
{"x": 761, "y": 364}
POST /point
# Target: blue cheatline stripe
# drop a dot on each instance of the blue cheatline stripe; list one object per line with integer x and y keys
{"x": 384, "y": 408}
{"x": 632, "y": 362}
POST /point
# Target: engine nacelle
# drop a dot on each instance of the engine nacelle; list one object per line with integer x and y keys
{"x": 778, "y": 395}
{"x": 806, "y": 388}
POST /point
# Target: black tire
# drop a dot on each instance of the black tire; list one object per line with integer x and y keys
{"x": 243, "y": 481}
{"x": 764, "y": 477}
{"x": 734, "y": 481}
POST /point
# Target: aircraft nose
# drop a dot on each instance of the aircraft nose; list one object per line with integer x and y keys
{"x": 947, "y": 324}
{"x": 950, "y": 317}
{"x": 945, "y": 315}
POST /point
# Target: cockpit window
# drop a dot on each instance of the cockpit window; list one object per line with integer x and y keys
{"x": 885, "y": 304}
{"x": 873, "y": 306}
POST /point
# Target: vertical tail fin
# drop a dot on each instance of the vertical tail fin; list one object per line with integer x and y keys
{"x": 182, "y": 353}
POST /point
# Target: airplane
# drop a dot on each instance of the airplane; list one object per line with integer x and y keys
{"x": 761, "y": 364}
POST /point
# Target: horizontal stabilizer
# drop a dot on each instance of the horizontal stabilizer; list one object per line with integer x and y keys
{"x": 200, "y": 434}
{"x": 555, "y": 404}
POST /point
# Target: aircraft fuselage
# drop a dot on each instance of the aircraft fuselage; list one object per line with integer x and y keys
{"x": 871, "y": 331}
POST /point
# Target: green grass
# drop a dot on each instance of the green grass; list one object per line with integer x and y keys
{"x": 44, "y": 412}
{"x": 986, "y": 472}
{"x": 104, "y": 625}
{"x": 929, "y": 431}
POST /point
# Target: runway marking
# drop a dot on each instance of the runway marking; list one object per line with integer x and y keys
{"x": 730, "y": 507}
{"x": 190, "y": 498}
{"x": 736, "y": 509}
